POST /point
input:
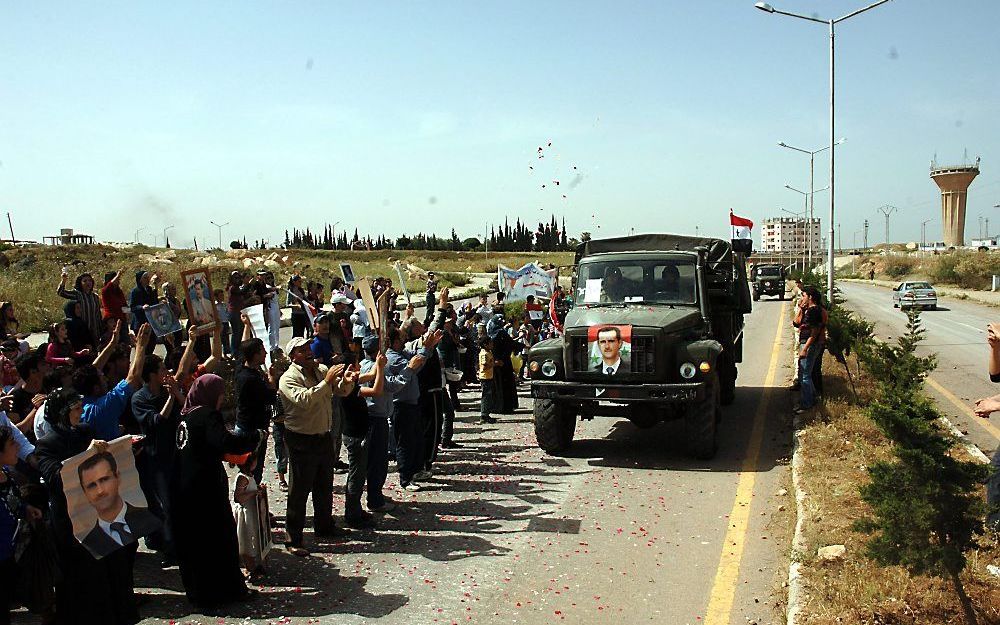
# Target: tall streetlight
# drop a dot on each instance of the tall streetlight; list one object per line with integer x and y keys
{"x": 809, "y": 211}
{"x": 220, "y": 227}
{"x": 137, "y": 231}
{"x": 812, "y": 180}
{"x": 923, "y": 234}
{"x": 801, "y": 215}
{"x": 887, "y": 210}
{"x": 763, "y": 6}
{"x": 165, "y": 234}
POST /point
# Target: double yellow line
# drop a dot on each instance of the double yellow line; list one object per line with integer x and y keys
{"x": 720, "y": 600}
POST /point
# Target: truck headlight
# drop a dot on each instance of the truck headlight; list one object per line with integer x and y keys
{"x": 688, "y": 370}
{"x": 549, "y": 369}
{"x": 534, "y": 366}
{"x": 705, "y": 366}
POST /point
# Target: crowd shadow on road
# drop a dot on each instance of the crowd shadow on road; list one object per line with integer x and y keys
{"x": 662, "y": 447}
{"x": 295, "y": 587}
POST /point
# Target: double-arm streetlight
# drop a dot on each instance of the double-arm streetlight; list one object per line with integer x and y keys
{"x": 220, "y": 227}
{"x": 809, "y": 195}
{"x": 812, "y": 179}
{"x": 831, "y": 23}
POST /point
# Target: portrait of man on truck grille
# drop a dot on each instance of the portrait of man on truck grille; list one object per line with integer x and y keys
{"x": 610, "y": 349}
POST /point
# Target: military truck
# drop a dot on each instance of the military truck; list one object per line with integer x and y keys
{"x": 768, "y": 279}
{"x": 655, "y": 333}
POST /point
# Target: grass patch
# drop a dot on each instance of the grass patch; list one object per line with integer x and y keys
{"x": 835, "y": 451}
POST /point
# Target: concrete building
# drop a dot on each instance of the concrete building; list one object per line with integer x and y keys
{"x": 954, "y": 184}
{"x": 68, "y": 237}
{"x": 783, "y": 235}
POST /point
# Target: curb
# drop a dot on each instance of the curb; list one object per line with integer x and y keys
{"x": 795, "y": 584}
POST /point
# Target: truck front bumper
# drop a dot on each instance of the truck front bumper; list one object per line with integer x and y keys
{"x": 618, "y": 393}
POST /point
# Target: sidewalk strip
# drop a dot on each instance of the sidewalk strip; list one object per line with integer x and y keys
{"x": 720, "y": 600}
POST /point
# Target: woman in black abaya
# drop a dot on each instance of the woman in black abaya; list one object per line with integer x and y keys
{"x": 204, "y": 529}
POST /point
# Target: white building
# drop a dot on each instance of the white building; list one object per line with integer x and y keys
{"x": 783, "y": 235}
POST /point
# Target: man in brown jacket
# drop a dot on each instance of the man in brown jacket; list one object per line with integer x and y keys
{"x": 307, "y": 390}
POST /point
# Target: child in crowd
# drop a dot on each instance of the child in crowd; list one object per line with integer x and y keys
{"x": 488, "y": 395}
{"x": 248, "y": 497}
{"x": 59, "y": 350}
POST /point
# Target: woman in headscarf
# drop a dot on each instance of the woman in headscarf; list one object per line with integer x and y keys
{"x": 91, "y": 591}
{"x": 9, "y": 326}
{"x": 204, "y": 529}
{"x": 90, "y": 302}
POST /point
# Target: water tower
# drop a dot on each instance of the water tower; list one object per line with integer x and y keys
{"x": 954, "y": 184}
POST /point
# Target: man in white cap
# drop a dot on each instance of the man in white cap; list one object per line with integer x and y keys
{"x": 340, "y": 302}
{"x": 307, "y": 390}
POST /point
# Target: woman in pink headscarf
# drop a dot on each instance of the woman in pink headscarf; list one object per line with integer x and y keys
{"x": 204, "y": 530}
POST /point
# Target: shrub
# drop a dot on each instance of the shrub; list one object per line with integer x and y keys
{"x": 455, "y": 279}
{"x": 899, "y": 266}
{"x": 513, "y": 311}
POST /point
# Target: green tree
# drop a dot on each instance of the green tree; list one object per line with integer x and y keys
{"x": 927, "y": 511}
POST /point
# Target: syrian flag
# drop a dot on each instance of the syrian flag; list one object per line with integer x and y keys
{"x": 742, "y": 237}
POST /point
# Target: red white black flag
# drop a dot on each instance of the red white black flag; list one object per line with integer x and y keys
{"x": 742, "y": 238}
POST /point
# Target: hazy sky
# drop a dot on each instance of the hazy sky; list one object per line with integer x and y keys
{"x": 406, "y": 116}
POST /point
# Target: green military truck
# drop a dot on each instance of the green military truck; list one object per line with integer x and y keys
{"x": 655, "y": 333}
{"x": 768, "y": 279}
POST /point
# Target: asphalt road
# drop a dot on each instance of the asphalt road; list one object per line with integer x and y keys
{"x": 623, "y": 529}
{"x": 956, "y": 333}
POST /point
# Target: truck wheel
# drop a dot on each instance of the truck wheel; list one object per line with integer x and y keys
{"x": 701, "y": 422}
{"x": 756, "y": 296}
{"x": 781, "y": 296}
{"x": 554, "y": 425}
{"x": 727, "y": 394}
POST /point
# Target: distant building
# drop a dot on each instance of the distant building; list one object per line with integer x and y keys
{"x": 68, "y": 237}
{"x": 784, "y": 235}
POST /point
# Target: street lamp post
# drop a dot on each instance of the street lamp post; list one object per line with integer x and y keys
{"x": 165, "y": 234}
{"x": 923, "y": 234}
{"x": 220, "y": 227}
{"x": 812, "y": 181}
{"x": 801, "y": 215}
{"x": 809, "y": 211}
{"x": 137, "y": 231}
{"x": 763, "y": 6}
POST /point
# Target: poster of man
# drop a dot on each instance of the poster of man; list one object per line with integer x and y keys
{"x": 348, "y": 271}
{"x": 162, "y": 320}
{"x": 198, "y": 298}
{"x": 610, "y": 349}
{"x": 105, "y": 502}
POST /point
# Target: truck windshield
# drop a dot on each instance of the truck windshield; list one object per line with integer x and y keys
{"x": 653, "y": 281}
{"x": 770, "y": 272}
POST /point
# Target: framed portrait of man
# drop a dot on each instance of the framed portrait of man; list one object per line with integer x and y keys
{"x": 198, "y": 298}
{"x": 610, "y": 349}
{"x": 105, "y": 503}
{"x": 162, "y": 320}
{"x": 348, "y": 272}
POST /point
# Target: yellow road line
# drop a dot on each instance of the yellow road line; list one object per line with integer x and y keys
{"x": 720, "y": 600}
{"x": 964, "y": 408}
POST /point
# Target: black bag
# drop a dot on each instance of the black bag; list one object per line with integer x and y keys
{"x": 38, "y": 566}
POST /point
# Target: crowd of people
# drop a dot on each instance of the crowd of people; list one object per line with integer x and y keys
{"x": 351, "y": 382}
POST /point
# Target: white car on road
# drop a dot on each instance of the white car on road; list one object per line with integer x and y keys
{"x": 914, "y": 294}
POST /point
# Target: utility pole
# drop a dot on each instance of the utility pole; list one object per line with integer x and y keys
{"x": 923, "y": 233}
{"x": 887, "y": 210}
{"x": 866, "y": 235}
{"x": 11, "y": 224}
{"x": 137, "y": 231}
{"x": 840, "y": 238}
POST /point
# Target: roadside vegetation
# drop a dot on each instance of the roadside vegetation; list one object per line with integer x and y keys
{"x": 965, "y": 269}
{"x": 885, "y": 479}
{"x": 29, "y": 275}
